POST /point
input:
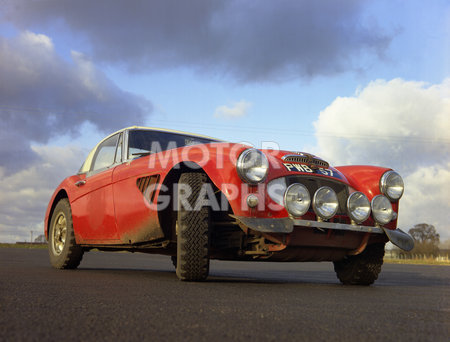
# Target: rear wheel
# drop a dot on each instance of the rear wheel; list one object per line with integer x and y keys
{"x": 62, "y": 247}
{"x": 361, "y": 269}
{"x": 192, "y": 229}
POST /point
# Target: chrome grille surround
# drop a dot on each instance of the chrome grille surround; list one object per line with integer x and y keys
{"x": 307, "y": 159}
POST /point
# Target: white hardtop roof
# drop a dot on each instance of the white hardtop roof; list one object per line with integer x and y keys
{"x": 87, "y": 163}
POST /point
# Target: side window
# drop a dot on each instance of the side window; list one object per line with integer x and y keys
{"x": 105, "y": 153}
{"x": 118, "y": 158}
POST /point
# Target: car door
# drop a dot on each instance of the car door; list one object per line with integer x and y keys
{"x": 93, "y": 210}
{"x": 132, "y": 182}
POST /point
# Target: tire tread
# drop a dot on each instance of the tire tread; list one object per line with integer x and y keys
{"x": 193, "y": 233}
{"x": 361, "y": 269}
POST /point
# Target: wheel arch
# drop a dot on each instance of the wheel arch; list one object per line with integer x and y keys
{"x": 62, "y": 193}
{"x": 167, "y": 217}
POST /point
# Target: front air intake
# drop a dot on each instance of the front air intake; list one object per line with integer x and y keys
{"x": 307, "y": 159}
{"x": 147, "y": 185}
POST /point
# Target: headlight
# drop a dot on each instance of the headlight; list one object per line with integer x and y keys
{"x": 252, "y": 166}
{"x": 297, "y": 199}
{"x": 382, "y": 209}
{"x": 358, "y": 207}
{"x": 325, "y": 202}
{"x": 391, "y": 185}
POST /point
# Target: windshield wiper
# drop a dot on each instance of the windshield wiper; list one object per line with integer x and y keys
{"x": 142, "y": 154}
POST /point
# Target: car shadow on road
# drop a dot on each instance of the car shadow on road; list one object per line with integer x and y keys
{"x": 218, "y": 277}
{"x": 274, "y": 277}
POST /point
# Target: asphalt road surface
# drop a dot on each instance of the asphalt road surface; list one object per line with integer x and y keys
{"x": 131, "y": 297}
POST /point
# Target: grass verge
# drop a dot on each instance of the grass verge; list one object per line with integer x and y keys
{"x": 416, "y": 262}
{"x": 24, "y": 245}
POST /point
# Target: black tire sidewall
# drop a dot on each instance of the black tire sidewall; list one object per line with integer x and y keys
{"x": 71, "y": 254}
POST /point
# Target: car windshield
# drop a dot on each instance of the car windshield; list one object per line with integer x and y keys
{"x": 143, "y": 142}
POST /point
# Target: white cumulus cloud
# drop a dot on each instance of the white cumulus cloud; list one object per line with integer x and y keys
{"x": 42, "y": 96}
{"x": 31, "y": 38}
{"x": 237, "y": 110}
{"x": 427, "y": 198}
{"x": 25, "y": 194}
{"x": 399, "y": 124}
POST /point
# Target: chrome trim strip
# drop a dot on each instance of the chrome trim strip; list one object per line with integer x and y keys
{"x": 290, "y": 155}
{"x": 287, "y": 225}
{"x": 125, "y": 157}
{"x": 338, "y": 226}
{"x": 305, "y": 158}
{"x": 265, "y": 225}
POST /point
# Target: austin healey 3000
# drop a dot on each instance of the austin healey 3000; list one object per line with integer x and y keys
{"x": 196, "y": 198}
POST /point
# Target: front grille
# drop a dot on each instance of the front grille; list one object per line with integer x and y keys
{"x": 306, "y": 159}
{"x": 314, "y": 183}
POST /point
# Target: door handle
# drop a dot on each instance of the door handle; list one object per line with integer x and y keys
{"x": 80, "y": 183}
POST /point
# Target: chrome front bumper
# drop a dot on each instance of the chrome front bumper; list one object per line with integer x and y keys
{"x": 286, "y": 225}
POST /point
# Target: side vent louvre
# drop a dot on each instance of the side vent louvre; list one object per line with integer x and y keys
{"x": 144, "y": 183}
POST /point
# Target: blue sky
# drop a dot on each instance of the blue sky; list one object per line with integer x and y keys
{"x": 301, "y": 74}
{"x": 185, "y": 100}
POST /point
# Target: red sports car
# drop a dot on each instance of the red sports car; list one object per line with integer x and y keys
{"x": 196, "y": 198}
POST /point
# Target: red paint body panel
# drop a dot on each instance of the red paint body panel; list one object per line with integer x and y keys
{"x": 93, "y": 209}
{"x": 132, "y": 211}
{"x": 110, "y": 208}
{"x": 366, "y": 179}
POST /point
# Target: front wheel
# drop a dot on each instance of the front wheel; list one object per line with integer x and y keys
{"x": 361, "y": 269}
{"x": 193, "y": 222}
{"x": 62, "y": 247}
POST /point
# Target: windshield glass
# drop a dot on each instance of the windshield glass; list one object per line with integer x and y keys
{"x": 142, "y": 142}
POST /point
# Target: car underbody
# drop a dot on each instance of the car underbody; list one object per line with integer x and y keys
{"x": 233, "y": 240}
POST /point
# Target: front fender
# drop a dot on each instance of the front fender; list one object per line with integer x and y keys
{"x": 364, "y": 178}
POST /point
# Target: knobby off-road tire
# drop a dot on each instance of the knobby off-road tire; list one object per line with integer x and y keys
{"x": 62, "y": 247}
{"x": 192, "y": 231}
{"x": 361, "y": 269}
